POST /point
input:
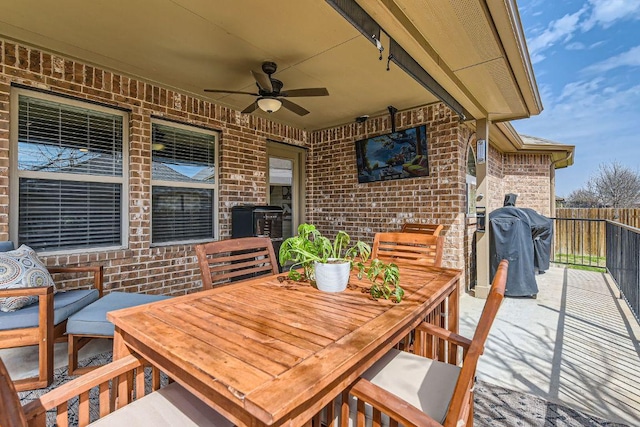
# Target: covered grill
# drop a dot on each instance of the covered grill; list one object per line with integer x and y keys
{"x": 524, "y": 237}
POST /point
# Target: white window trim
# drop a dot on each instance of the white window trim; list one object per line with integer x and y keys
{"x": 470, "y": 180}
{"x": 15, "y": 174}
{"x": 215, "y": 186}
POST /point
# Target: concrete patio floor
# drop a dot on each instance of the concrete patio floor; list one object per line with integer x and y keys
{"x": 575, "y": 345}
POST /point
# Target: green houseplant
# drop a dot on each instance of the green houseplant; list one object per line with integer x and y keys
{"x": 328, "y": 264}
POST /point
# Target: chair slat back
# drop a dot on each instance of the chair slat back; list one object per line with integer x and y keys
{"x": 460, "y": 402}
{"x": 432, "y": 229}
{"x": 408, "y": 248}
{"x": 234, "y": 260}
{"x": 11, "y": 414}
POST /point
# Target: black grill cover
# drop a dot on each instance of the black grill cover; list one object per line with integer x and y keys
{"x": 542, "y": 235}
{"x": 510, "y": 238}
{"x": 510, "y": 199}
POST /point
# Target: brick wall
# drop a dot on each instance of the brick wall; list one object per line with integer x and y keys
{"x": 242, "y": 161}
{"x": 338, "y": 201}
{"x": 495, "y": 177}
{"x": 527, "y": 175}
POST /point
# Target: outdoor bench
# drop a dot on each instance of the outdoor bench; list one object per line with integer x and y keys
{"x": 91, "y": 322}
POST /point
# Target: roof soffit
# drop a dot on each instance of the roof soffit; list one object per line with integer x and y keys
{"x": 458, "y": 44}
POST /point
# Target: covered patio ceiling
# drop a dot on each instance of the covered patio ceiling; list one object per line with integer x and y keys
{"x": 474, "y": 49}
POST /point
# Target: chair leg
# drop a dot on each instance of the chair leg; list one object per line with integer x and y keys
{"x": 45, "y": 346}
{"x": 470, "y": 416}
{"x": 72, "y": 351}
{"x": 344, "y": 410}
{"x": 75, "y": 344}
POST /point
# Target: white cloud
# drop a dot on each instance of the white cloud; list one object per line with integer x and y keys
{"x": 630, "y": 58}
{"x": 579, "y": 90}
{"x": 537, "y": 57}
{"x": 575, "y": 46}
{"x": 605, "y": 12}
{"x": 596, "y": 116}
{"x": 589, "y": 106}
{"x": 560, "y": 30}
{"x": 596, "y": 112}
{"x": 546, "y": 92}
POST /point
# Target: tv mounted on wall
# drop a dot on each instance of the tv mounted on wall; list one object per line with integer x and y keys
{"x": 396, "y": 155}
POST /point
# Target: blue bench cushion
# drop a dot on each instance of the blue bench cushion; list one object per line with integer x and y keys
{"x": 64, "y": 305}
{"x": 92, "y": 320}
{"x": 6, "y": 245}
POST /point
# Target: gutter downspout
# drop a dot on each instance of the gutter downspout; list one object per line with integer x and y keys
{"x": 552, "y": 183}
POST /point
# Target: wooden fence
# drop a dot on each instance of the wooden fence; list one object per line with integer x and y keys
{"x": 583, "y": 235}
{"x": 629, "y": 216}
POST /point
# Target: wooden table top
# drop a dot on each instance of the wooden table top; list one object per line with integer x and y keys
{"x": 270, "y": 352}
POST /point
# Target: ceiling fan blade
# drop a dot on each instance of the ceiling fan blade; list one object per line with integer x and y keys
{"x": 311, "y": 91}
{"x": 293, "y": 107}
{"x": 251, "y": 108}
{"x": 264, "y": 82}
{"x": 231, "y": 91}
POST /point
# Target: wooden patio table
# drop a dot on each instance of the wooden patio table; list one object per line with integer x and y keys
{"x": 270, "y": 351}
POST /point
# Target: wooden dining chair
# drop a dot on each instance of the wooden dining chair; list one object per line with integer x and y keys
{"x": 408, "y": 248}
{"x": 416, "y": 391}
{"x": 432, "y": 229}
{"x": 122, "y": 397}
{"x": 233, "y": 260}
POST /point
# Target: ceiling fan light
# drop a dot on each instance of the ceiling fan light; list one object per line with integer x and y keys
{"x": 269, "y": 105}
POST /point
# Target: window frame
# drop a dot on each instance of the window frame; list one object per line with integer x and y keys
{"x": 471, "y": 184}
{"x": 178, "y": 184}
{"x": 15, "y": 173}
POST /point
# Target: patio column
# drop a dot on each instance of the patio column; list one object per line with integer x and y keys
{"x": 552, "y": 190}
{"x": 483, "y": 284}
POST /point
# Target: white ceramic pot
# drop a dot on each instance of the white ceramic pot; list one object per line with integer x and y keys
{"x": 332, "y": 277}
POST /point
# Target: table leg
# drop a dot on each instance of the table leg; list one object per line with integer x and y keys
{"x": 120, "y": 349}
{"x": 124, "y": 382}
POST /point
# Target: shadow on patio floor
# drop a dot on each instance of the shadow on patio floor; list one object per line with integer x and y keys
{"x": 575, "y": 345}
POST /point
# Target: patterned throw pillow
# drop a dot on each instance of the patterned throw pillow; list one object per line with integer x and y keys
{"x": 21, "y": 268}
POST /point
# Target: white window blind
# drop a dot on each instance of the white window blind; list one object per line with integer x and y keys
{"x": 70, "y": 169}
{"x": 183, "y": 183}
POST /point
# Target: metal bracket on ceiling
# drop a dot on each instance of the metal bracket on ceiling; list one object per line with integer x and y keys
{"x": 378, "y": 45}
{"x": 361, "y": 20}
{"x": 392, "y": 111}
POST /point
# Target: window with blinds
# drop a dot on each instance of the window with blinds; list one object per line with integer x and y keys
{"x": 71, "y": 176}
{"x": 183, "y": 183}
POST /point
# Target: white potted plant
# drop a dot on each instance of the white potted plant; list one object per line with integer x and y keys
{"x": 328, "y": 264}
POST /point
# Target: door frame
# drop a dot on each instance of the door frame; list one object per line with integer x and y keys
{"x": 298, "y": 155}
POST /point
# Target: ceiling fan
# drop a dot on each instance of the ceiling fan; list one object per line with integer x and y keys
{"x": 270, "y": 94}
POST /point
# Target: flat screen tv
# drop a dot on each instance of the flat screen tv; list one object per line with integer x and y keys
{"x": 396, "y": 155}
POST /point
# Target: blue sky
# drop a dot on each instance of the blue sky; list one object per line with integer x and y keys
{"x": 586, "y": 58}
